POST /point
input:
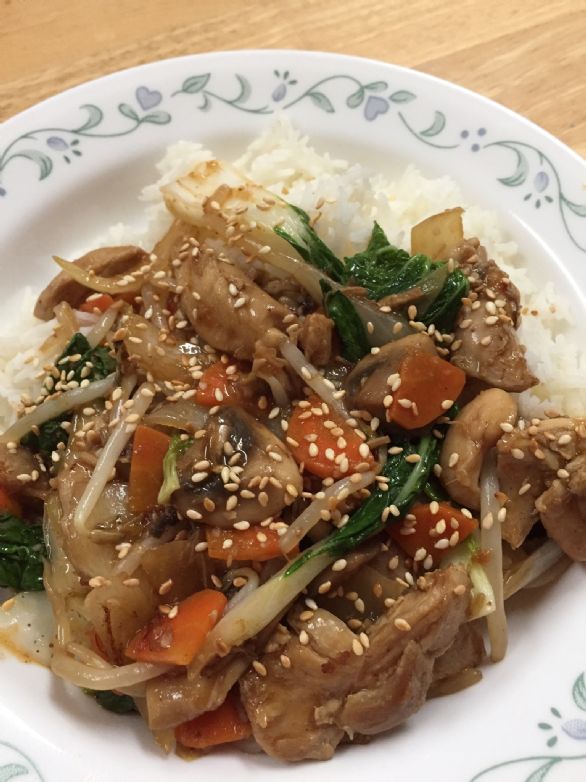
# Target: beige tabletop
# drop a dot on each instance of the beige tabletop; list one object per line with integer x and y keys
{"x": 528, "y": 54}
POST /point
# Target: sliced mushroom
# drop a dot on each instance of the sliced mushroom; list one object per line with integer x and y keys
{"x": 263, "y": 481}
{"x": 476, "y": 429}
{"x": 367, "y": 383}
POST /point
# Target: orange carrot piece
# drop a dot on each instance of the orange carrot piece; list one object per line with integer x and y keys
{"x": 317, "y": 440}
{"x": 216, "y": 387}
{"x": 178, "y": 640}
{"x": 221, "y": 726}
{"x": 100, "y": 303}
{"x": 427, "y": 382}
{"x": 419, "y": 538}
{"x": 146, "y": 468}
{"x": 9, "y": 504}
{"x": 256, "y": 543}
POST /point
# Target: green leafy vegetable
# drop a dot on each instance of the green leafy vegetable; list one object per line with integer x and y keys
{"x": 405, "y": 482}
{"x": 22, "y": 550}
{"x": 92, "y": 364}
{"x": 113, "y": 701}
{"x": 444, "y": 309}
{"x": 177, "y": 447}
{"x": 310, "y": 247}
{"x": 348, "y": 325}
{"x": 466, "y": 555}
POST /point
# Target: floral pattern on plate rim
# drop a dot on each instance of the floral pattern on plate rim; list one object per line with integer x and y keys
{"x": 14, "y": 763}
{"x": 533, "y": 170}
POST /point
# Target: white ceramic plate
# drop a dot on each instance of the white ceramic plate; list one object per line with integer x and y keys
{"x": 73, "y": 165}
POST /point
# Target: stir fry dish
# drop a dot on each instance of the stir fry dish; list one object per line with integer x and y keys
{"x": 276, "y": 496}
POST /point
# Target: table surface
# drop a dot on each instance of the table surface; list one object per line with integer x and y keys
{"x": 529, "y": 55}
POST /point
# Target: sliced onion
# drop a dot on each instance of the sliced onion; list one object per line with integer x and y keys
{"x": 183, "y": 414}
{"x": 56, "y": 407}
{"x": 310, "y": 375}
{"x": 67, "y": 318}
{"x": 384, "y": 324}
{"x": 333, "y": 495}
{"x": 109, "y": 456}
{"x": 111, "y": 678}
{"x": 103, "y": 325}
{"x": 121, "y": 283}
{"x": 491, "y": 540}
{"x": 532, "y": 568}
{"x": 163, "y": 360}
{"x": 252, "y": 583}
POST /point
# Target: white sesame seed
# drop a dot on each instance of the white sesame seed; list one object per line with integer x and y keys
{"x": 303, "y": 638}
{"x": 517, "y": 453}
{"x": 564, "y": 439}
{"x": 453, "y": 460}
{"x": 562, "y": 473}
{"x": 198, "y": 477}
{"x": 201, "y": 546}
{"x": 406, "y": 403}
{"x": 524, "y": 488}
{"x": 357, "y": 647}
{"x": 259, "y": 668}
{"x": 488, "y": 521}
{"x": 339, "y": 565}
{"x": 506, "y": 427}
{"x": 443, "y": 543}
{"x": 402, "y": 624}
{"x": 193, "y": 514}
{"x": 447, "y": 403}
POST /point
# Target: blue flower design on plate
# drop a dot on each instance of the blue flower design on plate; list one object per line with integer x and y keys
{"x": 280, "y": 91}
{"x": 59, "y": 144}
{"x": 374, "y": 107}
{"x": 475, "y": 146}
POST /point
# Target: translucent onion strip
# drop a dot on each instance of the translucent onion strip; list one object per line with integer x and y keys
{"x": 311, "y": 377}
{"x": 532, "y": 568}
{"x": 491, "y": 540}
{"x": 56, "y": 407}
{"x": 103, "y": 325}
{"x": 332, "y": 496}
{"x": 111, "y": 678}
{"x": 252, "y": 582}
{"x": 109, "y": 456}
{"x": 129, "y": 282}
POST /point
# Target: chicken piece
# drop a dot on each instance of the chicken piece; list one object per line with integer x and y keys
{"x": 367, "y": 383}
{"x": 542, "y": 470}
{"x": 489, "y": 349}
{"x": 333, "y": 686}
{"x": 269, "y": 483}
{"x": 22, "y": 462}
{"x": 226, "y": 308}
{"x": 105, "y": 261}
{"x": 315, "y": 339}
{"x": 268, "y": 365}
{"x": 467, "y": 651}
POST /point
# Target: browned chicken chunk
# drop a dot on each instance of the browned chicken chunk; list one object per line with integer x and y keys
{"x": 227, "y": 309}
{"x": 542, "y": 470}
{"x": 315, "y": 339}
{"x": 489, "y": 348}
{"x": 330, "y": 685}
{"x": 21, "y": 462}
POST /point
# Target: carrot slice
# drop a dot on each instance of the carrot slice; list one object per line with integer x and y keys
{"x": 100, "y": 303}
{"x": 221, "y": 726}
{"x": 425, "y": 533}
{"x": 324, "y": 441}
{"x": 428, "y": 383}
{"x": 216, "y": 387}
{"x": 146, "y": 468}
{"x": 9, "y": 504}
{"x": 179, "y": 639}
{"x": 256, "y": 543}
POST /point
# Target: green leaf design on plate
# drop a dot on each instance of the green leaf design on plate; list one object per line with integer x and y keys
{"x": 579, "y": 692}
{"x": 157, "y": 118}
{"x": 354, "y": 100}
{"x": 195, "y": 84}
{"x": 321, "y": 101}
{"x": 436, "y": 127}
{"x": 402, "y": 96}
{"x": 12, "y": 770}
{"x": 95, "y": 116}
{"x": 376, "y": 86}
{"x": 128, "y": 111}
{"x": 43, "y": 161}
{"x": 520, "y": 174}
{"x": 577, "y": 209}
{"x": 544, "y": 725}
{"x": 540, "y": 774}
{"x": 245, "y": 90}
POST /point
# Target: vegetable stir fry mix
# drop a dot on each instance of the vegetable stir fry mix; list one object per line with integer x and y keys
{"x": 274, "y": 495}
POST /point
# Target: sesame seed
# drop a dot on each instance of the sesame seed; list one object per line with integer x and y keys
{"x": 198, "y": 477}
{"x": 339, "y": 565}
{"x": 517, "y": 453}
{"x": 447, "y": 403}
{"x": 325, "y": 587}
{"x": 357, "y": 647}
{"x": 241, "y": 525}
{"x": 488, "y": 521}
{"x": 453, "y": 460}
{"x": 413, "y": 458}
{"x": 440, "y": 527}
{"x": 460, "y": 589}
{"x": 201, "y": 547}
{"x": 506, "y": 427}
{"x": 564, "y": 439}
{"x": 443, "y": 543}
{"x": 131, "y": 582}
{"x": 303, "y": 638}
{"x": 259, "y": 668}
{"x": 359, "y": 605}
{"x": 285, "y": 661}
{"x": 98, "y": 581}
{"x": 524, "y": 488}
{"x": 402, "y": 624}
{"x": 166, "y": 586}
{"x": 193, "y": 514}
{"x": 562, "y": 473}
{"x": 491, "y": 320}
{"x": 173, "y": 612}
{"x": 454, "y": 539}
{"x": 406, "y": 403}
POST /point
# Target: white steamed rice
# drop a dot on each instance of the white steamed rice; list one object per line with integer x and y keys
{"x": 283, "y": 160}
